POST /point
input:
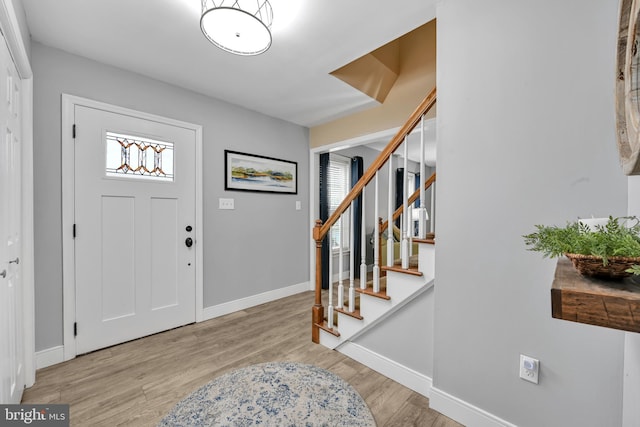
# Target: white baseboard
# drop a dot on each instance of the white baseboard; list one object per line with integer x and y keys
{"x": 240, "y": 304}
{"x": 409, "y": 378}
{"x": 50, "y": 356}
{"x": 55, "y": 355}
{"x": 463, "y": 412}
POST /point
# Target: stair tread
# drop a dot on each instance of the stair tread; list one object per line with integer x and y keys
{"x": 427, "y": 240}
{"x": 325, "y": 327}
{"x": 398, "y": 269}
{"x": 356, "y": 314}
{"x": 369, "y": 291}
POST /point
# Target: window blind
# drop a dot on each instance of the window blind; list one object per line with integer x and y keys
{"x": 338, "y": 181}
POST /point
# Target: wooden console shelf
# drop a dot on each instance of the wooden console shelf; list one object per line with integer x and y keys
{"x": 612, "y": 304}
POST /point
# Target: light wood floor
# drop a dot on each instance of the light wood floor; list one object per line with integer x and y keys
{"x": 138, "y": 382}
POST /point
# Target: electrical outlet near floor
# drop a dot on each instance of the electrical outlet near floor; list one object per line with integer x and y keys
{"x": 529, "y": 368}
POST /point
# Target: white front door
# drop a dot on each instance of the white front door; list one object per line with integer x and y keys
{"x": 11, "y": 292}
{"x": 135, "y": 187}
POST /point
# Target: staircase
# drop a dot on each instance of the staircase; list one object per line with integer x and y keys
{"x": 397, "y": 288}
{"x": 362, "y": 305}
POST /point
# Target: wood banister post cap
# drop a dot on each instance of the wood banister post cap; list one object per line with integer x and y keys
{"x": 316, "y": 232}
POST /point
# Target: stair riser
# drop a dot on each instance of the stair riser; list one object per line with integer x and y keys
{"x": 328, "y": 340}
{"x": 349, "y": 325}
{"x": 400, "y": 286}
{"x": 427, "y": 260}
{"x": 373, "y": 307}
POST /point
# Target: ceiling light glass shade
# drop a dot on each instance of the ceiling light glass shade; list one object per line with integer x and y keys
{"x": 242, "y": 27}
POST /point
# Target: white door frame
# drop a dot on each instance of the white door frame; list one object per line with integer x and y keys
{"x": 68, "y": 196}
{"x": 11, "y": 30}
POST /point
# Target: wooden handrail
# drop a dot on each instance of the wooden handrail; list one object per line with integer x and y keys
{"x": 427, "y": 103}
{"x": 415, "y": 196}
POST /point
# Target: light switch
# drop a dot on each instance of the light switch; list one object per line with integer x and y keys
{"x": 298, "y": 205}
{"x": 225, "y": 204}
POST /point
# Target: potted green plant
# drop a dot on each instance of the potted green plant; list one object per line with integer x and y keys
{"x": 608, "y": 250}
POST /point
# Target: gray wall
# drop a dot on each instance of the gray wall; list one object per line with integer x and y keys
{"x": 406, "y": 337}
{"x": 526, "y": 135}
{"x": 260, "y": 246}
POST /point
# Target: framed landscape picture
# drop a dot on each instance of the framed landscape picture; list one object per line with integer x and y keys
{"x": 250, "y": 172}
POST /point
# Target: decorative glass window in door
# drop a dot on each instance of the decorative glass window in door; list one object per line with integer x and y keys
{"x": 138, "y": 158}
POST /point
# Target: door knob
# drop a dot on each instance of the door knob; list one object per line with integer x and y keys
{"x": 188, "y": 242}
{"x": 17, "y": 261}
{"x": 3, "y": 274}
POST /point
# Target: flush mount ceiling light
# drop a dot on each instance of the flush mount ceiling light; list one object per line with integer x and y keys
{"x": 238, "y": 26}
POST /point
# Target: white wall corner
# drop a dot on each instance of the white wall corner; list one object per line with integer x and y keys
{"x": 408, "y": 377}
{"x": 463, "y": 412}
{"x": 243, "y": 303}
{"x": 631, "y": 378}
{"x": 50, "y": 356}
{"x": 631, "y": 381}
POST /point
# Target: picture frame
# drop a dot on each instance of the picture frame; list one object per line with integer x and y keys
{"x": 252, "y": 172}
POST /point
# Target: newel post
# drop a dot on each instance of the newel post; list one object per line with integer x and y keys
{"x": 317, "y": 312}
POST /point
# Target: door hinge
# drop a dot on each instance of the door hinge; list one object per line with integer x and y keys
{"x": 75, "y": 329}
{"x": 74, "y": 231}
{"x": 73, "y": 131}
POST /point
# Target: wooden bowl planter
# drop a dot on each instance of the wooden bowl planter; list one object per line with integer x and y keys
{"x": 592, "y": 265}
{"x": 607, "y": 248}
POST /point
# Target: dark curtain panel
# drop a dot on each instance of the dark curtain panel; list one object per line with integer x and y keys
{"x": 399, "y": 190}
{"x": 356, "y": 174}
{"x": 324, "y": 216}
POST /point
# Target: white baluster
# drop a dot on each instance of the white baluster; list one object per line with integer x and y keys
{"x": 363, "y": 245}
{"x": 330, "y": 307}
{"x": 376, "y": 241}
{"x": 432, "y": 223}
{"x": 390, "y": 216}
{"x": 352, "y": 289}
{"x": 410, "y": 230}
{"x": 405, "y": 220}
{"x": 422, "y": 213}
{"x": 340, "y": 265}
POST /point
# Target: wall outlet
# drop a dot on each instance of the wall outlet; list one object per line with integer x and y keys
{"x": 529, "y": 368}
{"x": 225, "y": 204}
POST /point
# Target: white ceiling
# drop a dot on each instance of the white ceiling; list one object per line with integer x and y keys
{"x": 162, "y": 39}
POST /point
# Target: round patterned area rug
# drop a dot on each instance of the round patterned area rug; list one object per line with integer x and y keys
{"x": 282, "y": 394}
